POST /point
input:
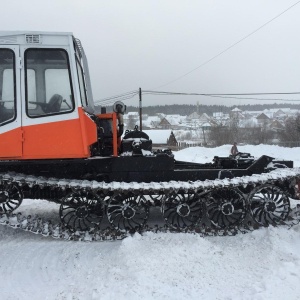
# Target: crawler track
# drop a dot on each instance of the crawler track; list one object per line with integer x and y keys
{"x": 211, "y": 207}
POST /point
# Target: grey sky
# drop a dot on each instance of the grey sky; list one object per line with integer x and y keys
{"x": 136, "y": 43}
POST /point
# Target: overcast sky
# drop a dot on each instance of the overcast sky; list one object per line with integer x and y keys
{"x": 148, "y": 44}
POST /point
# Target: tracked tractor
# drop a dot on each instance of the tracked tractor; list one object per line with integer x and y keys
{"x": 55, "y": 144}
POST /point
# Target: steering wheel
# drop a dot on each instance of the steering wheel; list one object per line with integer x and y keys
{"x": 52, "y": 106}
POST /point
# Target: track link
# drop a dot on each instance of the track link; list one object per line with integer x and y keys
{"x": 235, "y": 222}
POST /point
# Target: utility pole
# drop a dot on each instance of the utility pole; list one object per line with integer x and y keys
{"x": 204, "y": 135}
{"x": 140, "y": 106}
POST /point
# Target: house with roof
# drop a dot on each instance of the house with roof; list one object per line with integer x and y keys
{"x": 279, "y": 114}
{"x": 218, "y": 115}
{"x": 276, "y": 125}
{"x": 151, "y": 122}
{"x": 236, "y": 113}
{"x": 193, "y": 116}
{"x": 263, "y": 119}
{"x": 204, "y": 118}
{"x": 164, "y": 124}
{"x": 249, "y": 114}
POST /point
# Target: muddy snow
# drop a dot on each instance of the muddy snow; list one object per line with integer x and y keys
{"x": 263, "y": 264}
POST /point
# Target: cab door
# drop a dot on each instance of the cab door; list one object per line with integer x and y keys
{"x": 50, "y": 120}
{"x": 10, "y": 103}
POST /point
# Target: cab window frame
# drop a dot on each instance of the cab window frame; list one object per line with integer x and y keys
{"x": 26, "y": 67}
{"x": 14, "y": 87}
{"x": 80, "y": 76}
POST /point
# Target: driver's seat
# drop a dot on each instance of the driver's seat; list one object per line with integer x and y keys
{"x": 54, "y": 104}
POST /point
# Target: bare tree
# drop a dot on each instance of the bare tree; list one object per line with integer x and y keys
{"x": 132, "y": 119}
{"x": 291, "y": 133}
{"x": 265, "y": 134}
{"x": 233, "y": 132}
{"x": 220, "y": 134}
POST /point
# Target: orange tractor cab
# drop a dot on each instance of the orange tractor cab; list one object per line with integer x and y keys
{"x": 46, "y": 104}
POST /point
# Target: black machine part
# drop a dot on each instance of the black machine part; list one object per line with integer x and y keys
{"x": 120, "y": 108}
{"x": 135, "y": 141}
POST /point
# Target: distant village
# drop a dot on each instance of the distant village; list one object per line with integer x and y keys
{"x": 252, "y": 127}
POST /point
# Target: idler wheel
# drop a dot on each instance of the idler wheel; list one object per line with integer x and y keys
{"x": 225, "y": 207}
{"x": 128, "y": 212}
{"x": 11, "y": 197}
{"x": 183, "y": 210}
{"x": 81, "y": 211}
{"x": 269, "y": 205}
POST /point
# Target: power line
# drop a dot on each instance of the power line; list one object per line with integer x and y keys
{"x": 130, "y": 95}
{"x": 228, "y": 48}
{"x": 229, "y": 96}
{"x": 252, "y": 98}
{"x": 120, "y": 97}
{"x": 218, "y": 94}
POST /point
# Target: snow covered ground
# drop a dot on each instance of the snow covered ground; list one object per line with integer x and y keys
{"x": 264, "y": 264}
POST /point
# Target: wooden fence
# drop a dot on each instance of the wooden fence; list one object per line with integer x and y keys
{"x": 183, "y": 145}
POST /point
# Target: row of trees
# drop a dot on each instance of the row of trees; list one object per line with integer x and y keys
{"x": 224, "y": 133}
{"x": 290, "y": 134}
{"x": 187, "y": 109}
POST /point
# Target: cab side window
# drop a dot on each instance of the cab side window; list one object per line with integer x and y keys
{"x": 48, "y": 82}
{"x": 7, "y": 86}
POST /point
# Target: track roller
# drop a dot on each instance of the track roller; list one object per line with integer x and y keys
{"x": 269, "y": 205}
{"x": 81, "y": 211}
{"x": 127, "y": 212}
{"x": 182, "y": 211}
{"x": 11, "y": 197}
{"x": 226, "y": 207}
